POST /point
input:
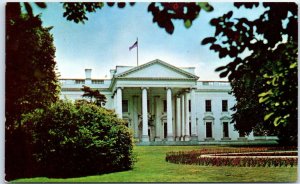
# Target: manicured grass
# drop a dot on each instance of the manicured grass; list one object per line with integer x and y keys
{"x": 152, "y": 167}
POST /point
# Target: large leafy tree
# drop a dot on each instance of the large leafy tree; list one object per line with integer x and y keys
{"x": 30, "y": 79}
{"x": 94, "y": 95}
{"x": 269, "y": 70}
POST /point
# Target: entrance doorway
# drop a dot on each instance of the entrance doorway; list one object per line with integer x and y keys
{"x": 165, "y": 130}
{"x": 208, "y": 130}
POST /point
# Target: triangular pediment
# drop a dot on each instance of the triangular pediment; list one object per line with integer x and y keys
{"x": 157, "y": 69}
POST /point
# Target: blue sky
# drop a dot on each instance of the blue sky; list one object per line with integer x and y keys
{"x": 104, "y": 40}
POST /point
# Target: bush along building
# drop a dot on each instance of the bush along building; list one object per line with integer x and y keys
{"x": 167, "y": 105}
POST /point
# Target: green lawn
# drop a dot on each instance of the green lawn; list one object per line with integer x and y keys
{"x": 151, "y": 167}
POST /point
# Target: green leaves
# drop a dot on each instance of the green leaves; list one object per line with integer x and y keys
{"x": 208, "y": 40}
{"x": 87, "y": 139}
{"x": 164, "y": 13}
{"x": 265, "y": 81}
{"x": 187, "y": 23}
{"x": 95, "y": 96}
{"x": 268, "y": 116}
{"x": 205, "y": 6}
{"x": 75, "y": 11}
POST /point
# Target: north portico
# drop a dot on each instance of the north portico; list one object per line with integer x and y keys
{"x": 165, "y": 104}
{"x": 156, "y": 97}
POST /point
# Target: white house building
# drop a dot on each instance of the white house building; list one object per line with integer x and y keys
{"x": 164, "y": 103}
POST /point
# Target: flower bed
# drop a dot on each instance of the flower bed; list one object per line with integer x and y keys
{"x": 254, "y": 157}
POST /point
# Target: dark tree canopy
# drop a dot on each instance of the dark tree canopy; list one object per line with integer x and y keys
{"x": 94, "y": 95}
{"x": 268, "y": 75}
{"x": 31, "y": 81}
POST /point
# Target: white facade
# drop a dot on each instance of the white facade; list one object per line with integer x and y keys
{"x": 162, "y": 102}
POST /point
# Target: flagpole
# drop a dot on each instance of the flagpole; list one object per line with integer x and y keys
{"x": 137, "y": 51}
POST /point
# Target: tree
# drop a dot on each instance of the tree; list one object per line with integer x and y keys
{"x": 163, "y": 13}
{"x": 30, "y": 79}
{"x": 94, "y": 95}
{"x": 271, "y": 41}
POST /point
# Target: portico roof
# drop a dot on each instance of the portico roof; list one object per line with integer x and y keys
{"x": 172, "y": 71}
{"x": 156, "y": 70}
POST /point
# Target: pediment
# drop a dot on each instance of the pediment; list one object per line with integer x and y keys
{"x": 225, "y": 118}
{"x": 157, "y": 69}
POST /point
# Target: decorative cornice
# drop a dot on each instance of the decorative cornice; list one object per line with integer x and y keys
{"x": 155, "y": 78}
{"x": 213, "y": 90}
{"x": 160, "y": 62}
{"x": 79, "y": 89}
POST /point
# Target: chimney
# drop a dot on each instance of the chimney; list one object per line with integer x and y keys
{"x": 88, "y": 74}
{"x": 112, "y": 73}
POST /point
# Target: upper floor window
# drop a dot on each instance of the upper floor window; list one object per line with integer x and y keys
{"x": 165, "y": 105}
{"x": 208, "y": 105}
{"x": 205, "y": 83}
{"x": 224, "y": 105}
{"x": 97, "y": 81}
{"x": 124, "y": 105}
{"x": 79, "y": 81}
{"x": 189, "y": 105}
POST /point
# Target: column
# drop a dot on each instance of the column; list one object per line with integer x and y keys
{"x": 193, "y": 116}
{"x": 157, "y": 120}
{"x": 169, "y": 116}
{"x": 182, "y": 118}
{"x": 178, "y": 119}
{"x": 145, "y": 137}
{"x": 135, "y": 117}
{"x": 119, "y": 103}
{"x": 187, "y": 117}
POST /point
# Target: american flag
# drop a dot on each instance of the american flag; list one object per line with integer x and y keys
{"x": 134, "y": 45}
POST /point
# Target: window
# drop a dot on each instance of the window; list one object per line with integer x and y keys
{"x": 79, "y": 81}
{"x": 205, "y": 83}
{"x": 97, "y": 81}
{"x": 124, "y": 105}
{"x": 208, "y": 105}
{"x": 208, "y": 129}
{"x": 165, "y": 130}
{"x": 189, "y": 105}
{"x": 225, "y": 129}
{"x": 165, "y": 105}
{"x": 224, "y": 105}
{"x": 148, "y": 106}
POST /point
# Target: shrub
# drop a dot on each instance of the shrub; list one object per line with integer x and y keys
{"x": 70, "y": 140}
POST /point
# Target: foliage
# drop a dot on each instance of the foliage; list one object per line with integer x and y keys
{"x": 220, "y": 157}
{"x": 270, "y": 43}
{"x": 99, "y": 99}
{"x": 75, "y": 11}
{"x": 68, "y": 140}
{"x": 164, "y": 13}
{"x": 30, "y": 79}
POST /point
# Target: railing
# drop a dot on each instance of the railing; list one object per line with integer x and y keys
{"x": 214, "y": 84}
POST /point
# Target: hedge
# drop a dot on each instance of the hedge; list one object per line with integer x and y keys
{"x": 68, "y": 140}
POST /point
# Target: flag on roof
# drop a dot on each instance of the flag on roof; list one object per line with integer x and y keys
{"x": 134, "y": 45}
